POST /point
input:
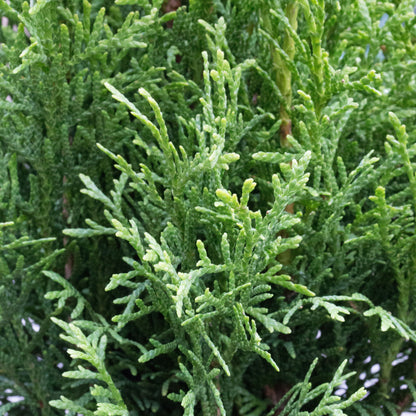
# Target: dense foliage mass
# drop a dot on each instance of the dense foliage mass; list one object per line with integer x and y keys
{"x": 207, "y": 207}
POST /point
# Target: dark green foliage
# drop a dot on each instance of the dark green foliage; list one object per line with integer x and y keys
{"x": 213, "y": 207}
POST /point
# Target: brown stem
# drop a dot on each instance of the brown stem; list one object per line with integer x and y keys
{"x": 170, "y": 6}
{"x": 285, "y": 128}
{"x": 284, "y": 76}
{"x": 69, "y": 264}
{"x": 281, "y": 72}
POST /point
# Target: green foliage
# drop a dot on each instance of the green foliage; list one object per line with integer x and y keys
{"x": 202, "y": 202}
{"x": 27, "y": 363}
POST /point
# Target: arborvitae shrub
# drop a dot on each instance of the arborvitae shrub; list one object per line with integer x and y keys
{"x": 207, "y": 208}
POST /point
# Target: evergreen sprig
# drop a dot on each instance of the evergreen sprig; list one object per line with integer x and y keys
{"x": 202, "y": 198}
